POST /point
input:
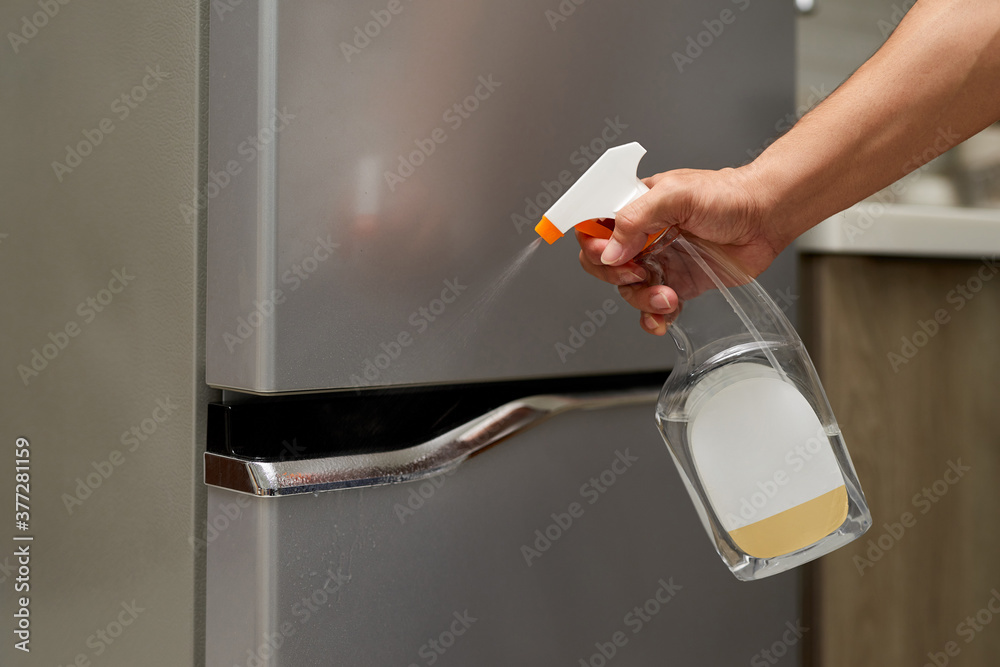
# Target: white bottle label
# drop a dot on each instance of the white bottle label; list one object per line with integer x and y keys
{"x": 758, "y": 445}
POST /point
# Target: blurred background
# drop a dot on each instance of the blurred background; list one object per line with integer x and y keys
{"x": 106, "y": 251}
{"x": 833, "y": 40}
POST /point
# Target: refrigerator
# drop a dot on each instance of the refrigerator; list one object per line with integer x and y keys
{"x": 435, "y": 441}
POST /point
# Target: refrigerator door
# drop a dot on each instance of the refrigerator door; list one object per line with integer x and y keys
{"x": 571, "y": 543}
{"x": 375, "y": 171}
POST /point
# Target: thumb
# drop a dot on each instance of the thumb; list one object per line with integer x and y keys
{"x": 633, "y": 225}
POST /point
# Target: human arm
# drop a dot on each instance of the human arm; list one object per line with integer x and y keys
{"x": 934, "y": 83}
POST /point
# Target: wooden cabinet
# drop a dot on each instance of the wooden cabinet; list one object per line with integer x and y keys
{"x": 909, "y": 352}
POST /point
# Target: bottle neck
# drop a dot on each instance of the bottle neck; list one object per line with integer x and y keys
{"x": 661, "y": 239}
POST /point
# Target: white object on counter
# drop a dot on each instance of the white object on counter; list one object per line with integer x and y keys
{"x": 980, "y": 151}
{"x": 870, "y": 228}
{"x": 931, "y": 190}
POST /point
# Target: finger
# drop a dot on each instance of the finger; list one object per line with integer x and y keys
{"x": 590, "y": 259}
{"x": 651, "y": 181}
{"x": 591, "y": 245}
{"x": 657, "y": 300}
{"x": 663, "y": 206}
{"x": 633, "y": 225}
{"x": 625, "y": 274}
{"x": 654, "y": 324}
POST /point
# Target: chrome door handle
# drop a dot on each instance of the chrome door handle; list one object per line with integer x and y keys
{"x": 440, "y": 454}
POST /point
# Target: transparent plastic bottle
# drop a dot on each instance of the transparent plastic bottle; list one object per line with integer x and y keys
{"x": 743, "y": 412}
{"x": 746, "y": 419}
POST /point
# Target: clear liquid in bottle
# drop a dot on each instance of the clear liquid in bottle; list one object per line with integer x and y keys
{"x": 747, "y": 422}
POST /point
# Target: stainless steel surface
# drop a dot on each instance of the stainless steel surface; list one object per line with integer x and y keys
{"x": 371, "y": 576}
{"x": 284, "y": 478}
{"x": 116, "y": 412}
{"x": 327, "y": 271}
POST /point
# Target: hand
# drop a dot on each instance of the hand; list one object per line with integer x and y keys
{"x": 718, "y": 206}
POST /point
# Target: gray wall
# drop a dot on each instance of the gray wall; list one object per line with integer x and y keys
{"x": 836, "y": 38}
{"x": 60, "y": 243}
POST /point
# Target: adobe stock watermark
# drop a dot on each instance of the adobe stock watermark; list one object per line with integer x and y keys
{"x": 22, "y": 617}
{"x": 294, "y": 277}
{"x": 968, "y": 629}
{"x": 122, "y": 107}
{"x": 924, "y": 501}
{"x": 225, "y": 515}
{"x": 420, "y": 320}
{"x": 714, "y": 27}
{"x": 131, "y": 440}
{"x": 104, "y": 637}
{"x": 786, "y": 122}
{"x": 246, "y": 153}
{"x": 958, "y": 298}
{"x": 44, "y": 355}
{"x": 784, "y": 298}
{"x": 587, "y": 329}
{"x": 795, "y": 460}
{"x": 885, "y": 27}
{"x": 773, "y": 654}
{"x": 454, "y": 117}
{"x": 581, "y": 158}
{"x": 591, "y": 491}
{"x": 562, "y": 12}
{"x": 31, "y": 24}
{"x": 319, "y": 598}
{"x": 223, "y": 7}
{"x": 635, "y": 620}
{"x": 435, "y": 647}
{"x": 363, "y": 35}
{"x": 302, "y": 610}
{"x": 869, "y": 212}
{"x": 420, "y": 493}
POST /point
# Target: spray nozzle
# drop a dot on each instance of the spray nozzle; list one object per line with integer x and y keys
{"x": 606, "y": 188}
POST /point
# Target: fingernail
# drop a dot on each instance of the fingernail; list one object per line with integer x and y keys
{"x": 612, "y": 252}
{"x": 649, "y": 322}
{"x": 660, "y": 301}
{"x": 637, "y": 276}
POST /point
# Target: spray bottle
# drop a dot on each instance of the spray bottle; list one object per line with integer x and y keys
{"x": 743, "y": 413}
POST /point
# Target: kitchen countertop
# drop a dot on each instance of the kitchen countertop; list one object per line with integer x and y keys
{"x": 870, "y": 228}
